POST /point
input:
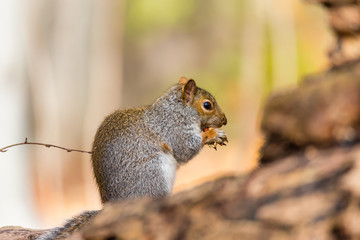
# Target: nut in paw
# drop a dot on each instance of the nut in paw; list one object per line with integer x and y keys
{"x": 215, "y": 136}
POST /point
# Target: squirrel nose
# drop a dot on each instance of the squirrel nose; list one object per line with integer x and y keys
{"x": 223, "y": 119}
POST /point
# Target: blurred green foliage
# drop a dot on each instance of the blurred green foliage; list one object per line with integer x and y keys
{"x": 238, "y": 50}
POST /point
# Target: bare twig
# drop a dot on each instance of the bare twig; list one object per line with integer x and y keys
{"x": 4, "y": 149}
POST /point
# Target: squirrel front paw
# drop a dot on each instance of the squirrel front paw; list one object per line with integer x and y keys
{"x": 213, "y": 137}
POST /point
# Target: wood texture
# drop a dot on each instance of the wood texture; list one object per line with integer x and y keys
{"x": 344, "y": 20}
{"x": 18, "y": 233}
{"x": 323, "y": 111}
{"x": 312, "y": 195}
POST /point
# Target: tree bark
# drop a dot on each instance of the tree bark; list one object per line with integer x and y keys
{"x": 19, "y": 233}
{"x": 310, "y": 195}
{"x": 344, "y": 20}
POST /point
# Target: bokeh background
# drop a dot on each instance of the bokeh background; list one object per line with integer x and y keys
{"x": 65, "y": 65}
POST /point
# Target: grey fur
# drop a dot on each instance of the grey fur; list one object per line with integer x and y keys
{"x": 129, "y": 144}
{"x": 136, "y": 151}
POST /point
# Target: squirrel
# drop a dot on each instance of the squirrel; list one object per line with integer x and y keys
{"x": 136, "y": 151}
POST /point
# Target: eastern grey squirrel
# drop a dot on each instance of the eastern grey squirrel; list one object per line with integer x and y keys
{"x": 136, "y": 151}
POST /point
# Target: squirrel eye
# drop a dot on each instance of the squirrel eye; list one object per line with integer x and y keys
{"x": 207, "y": 105}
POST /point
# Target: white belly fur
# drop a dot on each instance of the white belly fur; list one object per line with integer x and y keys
{"x": 168, "y": 167}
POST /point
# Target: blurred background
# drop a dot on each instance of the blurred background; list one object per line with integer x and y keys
{"x": 65, "y": 65}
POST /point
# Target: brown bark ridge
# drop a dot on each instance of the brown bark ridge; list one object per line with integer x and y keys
{"x": 344, "y": 20}
{"x": 18, "y": 233}
{"x": 323, "y": 111}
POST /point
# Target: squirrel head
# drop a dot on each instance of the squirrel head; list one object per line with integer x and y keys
{"x": 211, "y": 116}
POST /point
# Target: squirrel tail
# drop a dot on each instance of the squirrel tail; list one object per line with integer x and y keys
{"x": 69, "y": 228}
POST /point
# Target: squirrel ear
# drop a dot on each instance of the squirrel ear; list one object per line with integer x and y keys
{"x": 188, "y": 92}
{"x": 183, "y": 80}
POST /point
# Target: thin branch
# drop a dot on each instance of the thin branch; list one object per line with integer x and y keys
{"x": 4, "y": 149}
